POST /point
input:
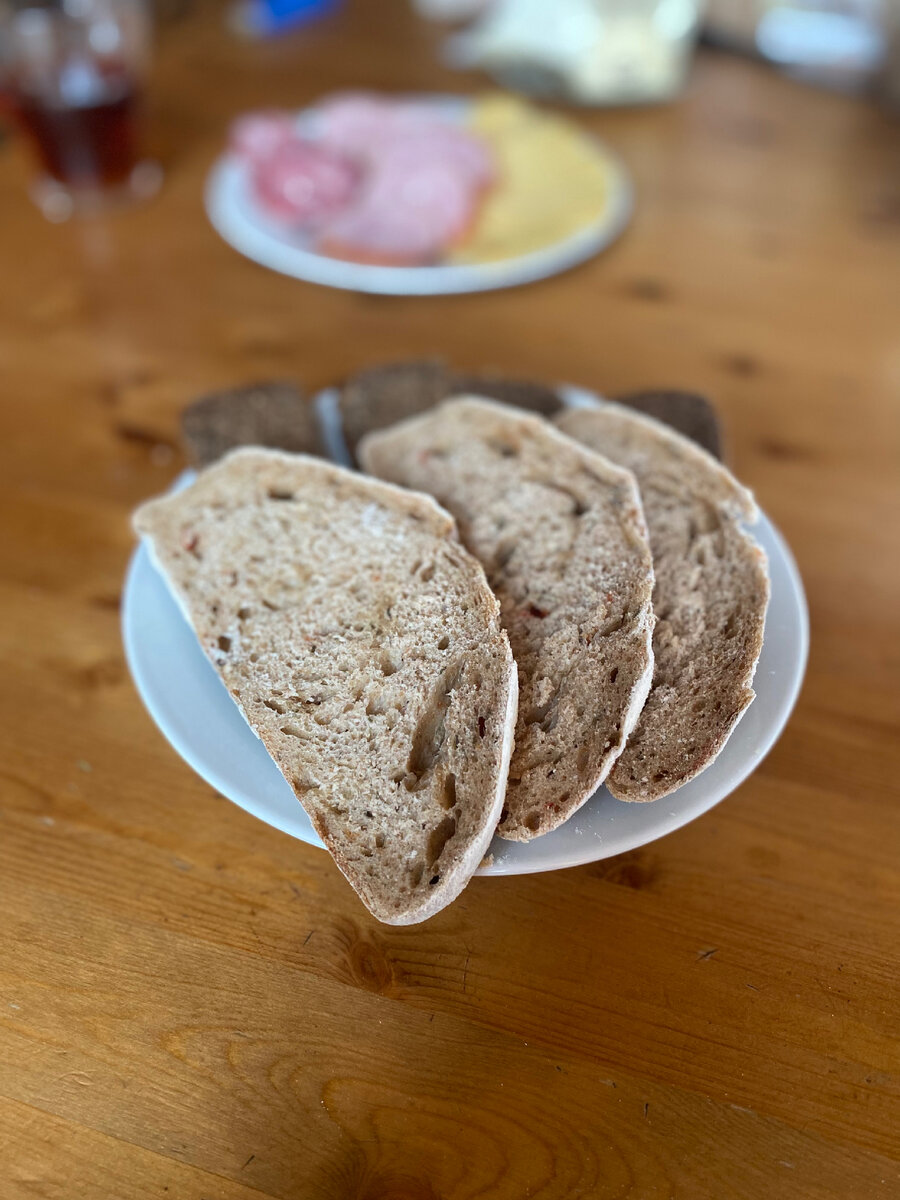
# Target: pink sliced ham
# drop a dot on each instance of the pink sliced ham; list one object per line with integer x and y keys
{"x": 415, "y": 202}
{"x": 377, "y": 180}
{"x": 304, "y": 183}
{"x": 256, "y": 136}
{"x": 423, "y": 185}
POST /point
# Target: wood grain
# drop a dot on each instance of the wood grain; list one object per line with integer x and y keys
{"x": 193, "y": 1005}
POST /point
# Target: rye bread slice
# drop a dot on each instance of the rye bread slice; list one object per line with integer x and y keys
{"x": 390, "y": 392}
{"x": 275, "y": 414}
{"x": 688, "y": 413}
{"x": 363, "y": 645}
{"x": 561, "y": 535}
{"x": 520, "y": 393}
{"x": 383, "y": 395}
{"x": 711, "y": 593}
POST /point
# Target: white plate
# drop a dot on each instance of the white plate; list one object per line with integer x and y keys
{"x": 192, "y": 707}
{"x": 238, "y": 220}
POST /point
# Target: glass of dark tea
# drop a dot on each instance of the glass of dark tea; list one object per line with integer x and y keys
{"x": 71, "y": 74}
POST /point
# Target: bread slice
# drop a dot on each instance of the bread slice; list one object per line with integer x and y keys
{"x": 363, "y": 645}
{"x": 380, "y": 396}
{"x": 273, "y": 414}
{"x": 711, "y": 593}
{"x": 562, "y": 538}
{"x": 688, "y": 413}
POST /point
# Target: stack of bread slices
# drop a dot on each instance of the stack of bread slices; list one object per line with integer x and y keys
{"x": 499, "y": 614}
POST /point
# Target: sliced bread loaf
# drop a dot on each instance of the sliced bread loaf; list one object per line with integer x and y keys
{"x": 562, "y": 538}
{"x": 273, "y": 414}
{"x": 363, "y": 645}
{"x": 710, "y": 598}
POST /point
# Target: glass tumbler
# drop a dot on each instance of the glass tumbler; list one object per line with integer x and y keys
{"x": 72, "y": 75}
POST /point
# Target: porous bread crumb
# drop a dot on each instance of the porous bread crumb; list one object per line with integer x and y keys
{"x": 363, "y": 645}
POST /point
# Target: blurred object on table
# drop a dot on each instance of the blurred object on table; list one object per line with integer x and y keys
{"x": 837, "y": 43}
{"x": 72, "y": 76}
{"x": 587, "y": 51}
{"x": 450, "y": 10}
{"x": 889, "y": 81}
{"x": 268, "y": 18}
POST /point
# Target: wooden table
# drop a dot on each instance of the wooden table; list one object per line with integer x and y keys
{"x": 193, "y": 1005}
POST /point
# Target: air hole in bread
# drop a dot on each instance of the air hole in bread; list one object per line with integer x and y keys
{"x": 443, "y": 643}
{"x": 614, "y": 675}
{"x": 416, "y": 871}
{"x": 448, "y": 791}
{"x": 375, "y": 705}
{"x": 244, "y": 613}
{"x": 254, "y": 657}
{"x": 275, "y": 706}
{"x": 379, "y": 841}
{"x": 428, "y": 573}
{"x": 280, "y": 494}
{"x": 214, "y": 609}
{"x": 504, "y": 552}
{"x": 307, "y": 783}
{"x": 293, "y": 730}
{"x": 224, "y": 643}
{"x": 270, "y": 606}
{"x": 439, "y": 837}
{"x": 389, "y": 663}
{"x": 613, "y": 625}
{"x": 428, "y": 736}
{"x": 544, "y": 715}
{"x": 416, "y": 565}
{"x": 434, "y": 879}
{"x": 582, "y": 758}
{"x": 729, "y": 629}
{"x": 533, "y": 822}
